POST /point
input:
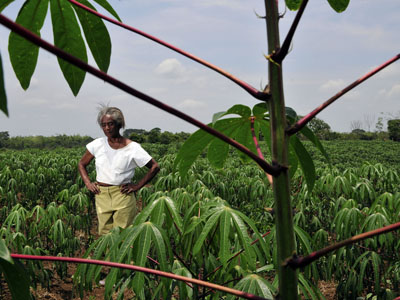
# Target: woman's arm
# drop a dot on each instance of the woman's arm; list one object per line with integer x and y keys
{"x": 85, "y": 160}
{"x": 154, "y": 168}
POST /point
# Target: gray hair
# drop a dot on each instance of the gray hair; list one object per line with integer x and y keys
{"x": 115, "y": 113}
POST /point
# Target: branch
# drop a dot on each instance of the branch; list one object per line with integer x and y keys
{"x": 299, "y": 262}
{"x": 271, "y": 169}
{"x": 303, "y": 122}
{"x": 140, "y": 269}
{"x": 280, "y": 55}
{"x": 253, "y": 133}
{"x": 251, "y": 90}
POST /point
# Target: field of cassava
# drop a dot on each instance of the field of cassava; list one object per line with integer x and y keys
{"x": 214, "y": 225}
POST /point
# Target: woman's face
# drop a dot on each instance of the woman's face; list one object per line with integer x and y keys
{"x": 109, "y": 126}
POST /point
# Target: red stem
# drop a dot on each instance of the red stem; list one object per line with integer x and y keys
{"x": 271, "y": 169}
{"x": 303, "y": 122}
{"x": 139, "y": 269}
{"x": 251, "y": 90}
{"x": 299, "y": 262}
{"x": 253, "y": 133}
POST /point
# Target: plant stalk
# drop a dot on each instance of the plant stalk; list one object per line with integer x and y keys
{"x": 279, "y": 144}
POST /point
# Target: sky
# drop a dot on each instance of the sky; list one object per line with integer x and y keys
{"x": 329, "y": 51}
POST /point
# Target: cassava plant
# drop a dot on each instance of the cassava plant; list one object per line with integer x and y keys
{"x": 277, "y": 124}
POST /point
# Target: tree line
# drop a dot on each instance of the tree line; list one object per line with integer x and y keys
{"x": 154, "y": 136}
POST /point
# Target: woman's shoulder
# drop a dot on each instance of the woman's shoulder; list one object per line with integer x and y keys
{"x": 98, "y": 142}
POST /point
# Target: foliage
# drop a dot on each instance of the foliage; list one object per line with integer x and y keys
{"x": 240, "y": 129}
{"x": 18, "y": 282}
{"x": 206, "y": 228}
{"x": 320, "y": 128}
{"x": 44, "y": 142}
{"x": 394, "y": 130}
{"x": 186, "y": 218}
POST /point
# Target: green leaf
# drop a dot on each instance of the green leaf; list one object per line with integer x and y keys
{"x": 224, "y": 230}
{"x": 4, "y": 253}
{"x": 306, "y": 162}
{"x": 339, "y": 5}
{"x": 209, "y": 225}
{"x": 191, "y": 149}
{"x": 24, "y": 54}
{"x": 15, "y": 275}
{"x": 218, "y": 149}
{"x": 293, "y": 4}
{"x": 4, "y": 4}
{"x": 255, "y": 285}
{"x": 3, "y": 96}
{"x": 241, "y": 110}
{"x": 144, "y": 248}
{"x": 108, "y": 8}
{"x": 67, "y": 36}
{"x": 96, "y": 35}
{"x": 244, "y": 238}
{"x": 244, "y": 136}
{"x": 307, "y": 132}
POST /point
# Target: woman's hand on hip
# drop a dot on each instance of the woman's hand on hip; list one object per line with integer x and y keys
{"x": 128, "y": 188}
{"x": 93, "y": 187}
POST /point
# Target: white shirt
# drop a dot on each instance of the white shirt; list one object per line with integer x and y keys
{"x": 117, "y": 166}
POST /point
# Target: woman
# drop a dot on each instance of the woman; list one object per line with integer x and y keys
{"x": 116, "y": 158}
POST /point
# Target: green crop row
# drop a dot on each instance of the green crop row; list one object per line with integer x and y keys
{"x": 204, "y": 225}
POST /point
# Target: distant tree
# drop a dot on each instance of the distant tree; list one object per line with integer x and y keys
{"x": 358, "y": 131}
{"x": 394, "y": 129}
{"x": 320, "y": 128}
{"x": 369, "y": 119}
{"x": 167, "y": 137}
{"x": 4, "y": 137}
{"x": 129, "y": 131}
{"x": 379, "y": 125}
{"x": 154, "y": 135}
{"x": 138, "y": 138}
{"x": 357, "y": 124}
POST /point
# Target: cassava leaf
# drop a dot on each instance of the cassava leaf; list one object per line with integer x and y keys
{"x": 218, "y": 149}
{"x": 3, "y": 96}
{"x": 255, "y": 285}
{"x": 339, "y": 5}
{"x": 293, "y": 4}
{"x": 224, "y": 230}
{"x": 140, "y": 259}
{"x": 108, "y": 8}
{"x": 96, "y": 35}
{"x": 305, "y": 160}
{"x": 67, "y": 36}
{"x": 191, "y": 149}
{"x": 307, "y": 132}
{"x": 15, "y": 275}
{"x": 209, "y": 225}
{"x": 24, "y": 54}
{"x": 4, "y": 4}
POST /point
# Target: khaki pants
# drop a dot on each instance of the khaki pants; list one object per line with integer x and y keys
{"x": 114, "y": 208}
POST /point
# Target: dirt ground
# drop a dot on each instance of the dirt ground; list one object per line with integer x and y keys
{"x": 64, "y": 290}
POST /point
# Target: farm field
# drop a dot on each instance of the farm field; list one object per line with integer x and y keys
{"x": 203, "y": 225}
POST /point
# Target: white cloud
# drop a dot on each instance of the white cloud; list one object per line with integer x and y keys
{"x": 170, "y": 67}
{"x": 35, "y": 101}
{"x": 333, "y": 84}
{"x": 395, "y": 90}
{"x": 190, "y": 103}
